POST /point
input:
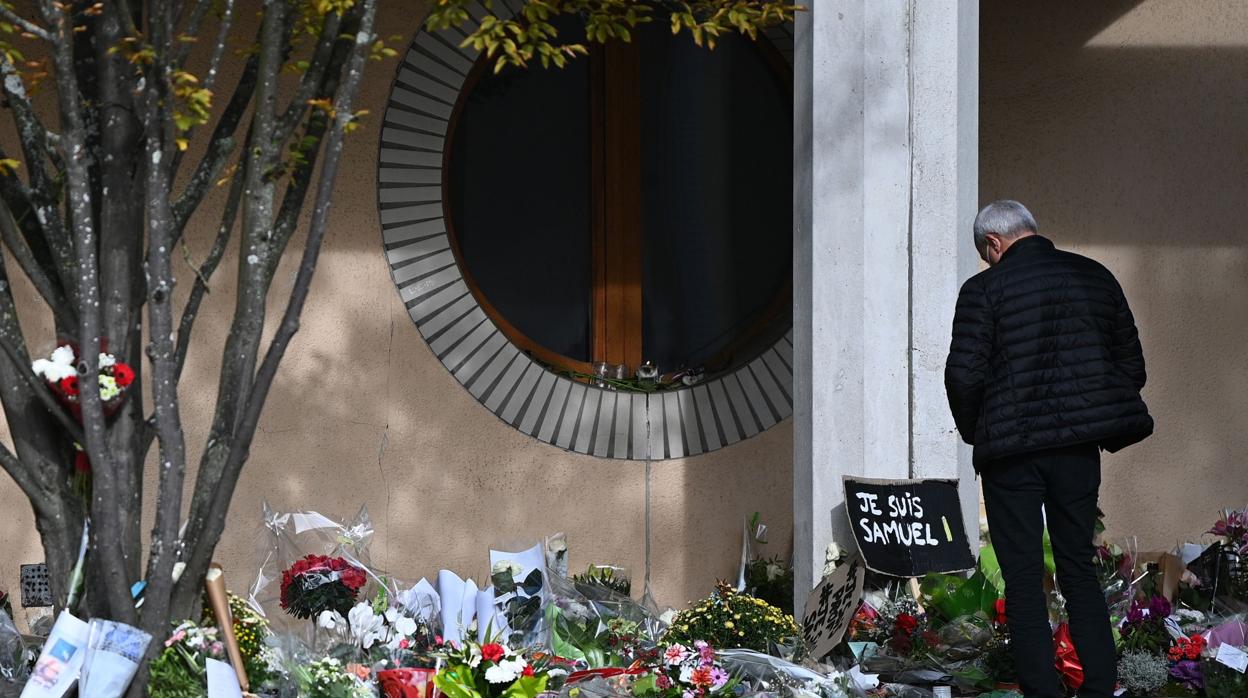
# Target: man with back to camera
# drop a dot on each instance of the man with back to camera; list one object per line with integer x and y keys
{"x": 1044, "y": 370}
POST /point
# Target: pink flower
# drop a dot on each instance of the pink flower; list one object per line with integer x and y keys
{"x": 675, "y": 654}
{"x": 719, "y": 677}
{"x": 663, "y": 682}
{"x": 705, "y": 651}
{"x": 217, "y": 648}
{"x": 175, "y": 638}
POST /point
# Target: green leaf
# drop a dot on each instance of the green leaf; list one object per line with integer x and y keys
{"x": 1049, "y": 563}
{"x": 526, "y": 687}
{"x": 456, "y": 682}
{"x": 533, "y": 583}
{"x": 645, "y": 685}
{"x": 559, "y": 634}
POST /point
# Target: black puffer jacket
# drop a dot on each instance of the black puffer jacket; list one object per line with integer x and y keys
{"x": 1045, "y": 353}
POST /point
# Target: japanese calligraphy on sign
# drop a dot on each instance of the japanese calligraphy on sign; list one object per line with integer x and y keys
{"x": 831, "y": 606}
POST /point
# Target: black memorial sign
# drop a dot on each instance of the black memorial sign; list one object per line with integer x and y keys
{"x": 907, "y": 528}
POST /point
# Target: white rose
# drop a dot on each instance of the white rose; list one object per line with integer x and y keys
{"x": 107, "y": 360}
{"x": 63, "y": 355}
{"x": 509, "y": 566}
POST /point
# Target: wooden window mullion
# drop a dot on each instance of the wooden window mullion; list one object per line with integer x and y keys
{"x": 616, "y": 169}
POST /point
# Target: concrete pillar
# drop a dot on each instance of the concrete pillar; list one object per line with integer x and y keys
{"x": 885, "y": 188}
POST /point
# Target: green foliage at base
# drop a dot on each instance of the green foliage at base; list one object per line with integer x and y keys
{"x": 170, "y": 678}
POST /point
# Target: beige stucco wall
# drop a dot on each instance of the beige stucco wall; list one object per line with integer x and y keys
{"x": 363, "y": 413}
{"x": 1124, "y": 127}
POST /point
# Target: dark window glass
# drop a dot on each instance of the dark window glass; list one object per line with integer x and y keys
{"x": 520, "y": 201}
{"x": 716, "y": 164}
{"x": 717, "y": 185}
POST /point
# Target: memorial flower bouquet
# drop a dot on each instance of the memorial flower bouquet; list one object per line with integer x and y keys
{"x": 1232, "y": 528}
{"x": 180, "y": 671}
{"x": 318, "y": 583}
{"x": 60, "y": 372}
{"x": 686, "y": 672}
{"x": 376, "y": 632}
{"x": 1145, "y": 627}
{"x": 1185, "y": 666}
{"x": 330, "y": 678}
{"x": 732, "y": 620}
{"x": 490, "y": 670}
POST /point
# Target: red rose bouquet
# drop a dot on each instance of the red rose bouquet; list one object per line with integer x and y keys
{"x": 317, "y": 583}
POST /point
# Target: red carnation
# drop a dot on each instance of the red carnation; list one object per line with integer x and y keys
{"x": 69, "y": 384}
{"x": 528, "y": 670}
{"x": 123, "y": 374}
{"x": 1000, "y": 611}
{"x": 492, "y": 652}
{"x": 906, "y": 623}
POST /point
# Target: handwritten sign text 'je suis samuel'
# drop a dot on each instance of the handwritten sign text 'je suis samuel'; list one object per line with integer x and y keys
{"x": 907, "y": 528}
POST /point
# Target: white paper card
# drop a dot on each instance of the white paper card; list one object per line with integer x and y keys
{"x": 222, "y": 681}
{"x": 60, "y": 660}
{"x": 459, "y": 605}
{"x": 488, "y": 618}
{"x": 1233, "y": 657}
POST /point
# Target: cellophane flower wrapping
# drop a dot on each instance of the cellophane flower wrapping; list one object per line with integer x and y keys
{"x": 596, "y": 627}
{"x": 15, "y": 657}
{"x": 763, "y": 674}
{"x": 310, "y": 563}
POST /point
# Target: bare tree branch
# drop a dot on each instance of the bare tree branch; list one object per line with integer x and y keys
{"x": 163, "y": 550}
{"x": 42, "y": 195}
{"x": 243, "y": 342}
{"x": 218, "y": 49}
{"x": 20, "y": 473}
{"x": 50, "y": 292}
{"x": 25, "y": 24}
{"x": 311, "y": 81}
{"x": 28, "y": 123}
{"x": 214, "y": 521}
{"x": 219, "y": 148}
{"x": 105, "y": 508}
{"x": 190, "y": 311}
{"x": 39, "y": 388}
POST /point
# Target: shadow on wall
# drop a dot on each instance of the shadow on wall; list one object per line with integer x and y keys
{"x": 1124, "y": 127}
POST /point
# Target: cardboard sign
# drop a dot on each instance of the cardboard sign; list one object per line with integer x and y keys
{"x": 831, "y": 606}
{"x": 907, "y": 528}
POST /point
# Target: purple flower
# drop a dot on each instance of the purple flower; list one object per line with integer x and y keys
{"x": 1188, "y": 673}
{"x": 1159, "y": 608}
{"x": 719, "y": 677}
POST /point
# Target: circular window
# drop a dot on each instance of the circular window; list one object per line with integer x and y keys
{"x": 632, "y": 207}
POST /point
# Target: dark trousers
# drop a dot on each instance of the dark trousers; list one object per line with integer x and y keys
{"x": 1064, "y": 482}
